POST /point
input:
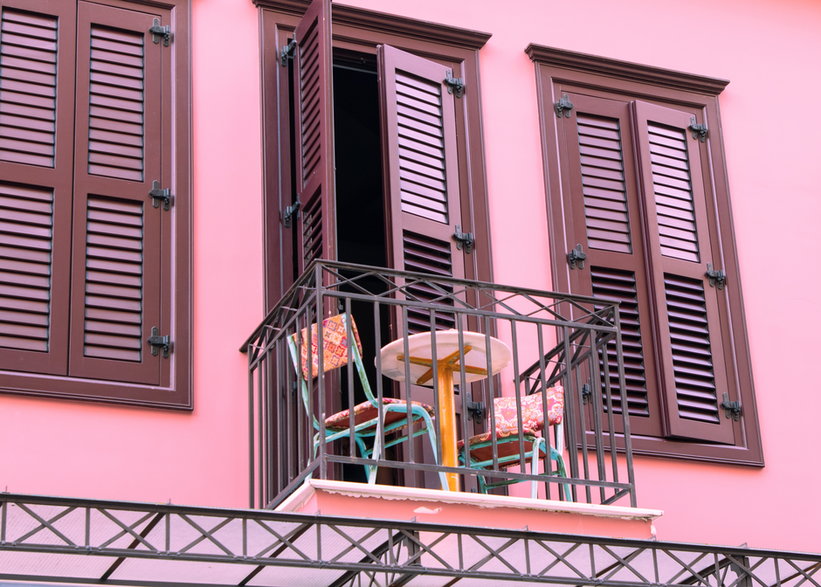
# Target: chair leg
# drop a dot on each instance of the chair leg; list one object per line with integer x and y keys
{"x": 432, "y": 437}
{"x": 534, "y": 467}
{"x": 562, "y": 471}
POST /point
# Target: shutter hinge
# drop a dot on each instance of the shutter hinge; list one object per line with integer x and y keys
{"x": 456, "y": 86}
{"x": 476, "y": 411}
{"x": 289, "y": 213}
{"x": 587, "y": 393}
{"x": 576, "y": 257}
{"x": 731, "y": 409}
{"x": 159, "y": 343}
{"x": 563, "y": 106}
{"x": 287, "y": 52}
{"x": 717, "y": 277}
{"x": 159, "y": 32}
{"x": 464, "y": 240}
{"x": 160, "y": 194}
{"x": 699, "y": 130}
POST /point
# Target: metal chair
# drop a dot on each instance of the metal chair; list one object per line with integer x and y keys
{"x": 371, "y": 433}
{"x": 516, "y": 444}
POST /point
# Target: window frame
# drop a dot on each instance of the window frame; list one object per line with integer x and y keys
{"x": 174, "y": 388}
{"x": 361, "y": 30}
{"x": 629, "y": 81}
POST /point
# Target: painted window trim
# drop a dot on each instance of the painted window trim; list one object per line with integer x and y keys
{"x": 642, "y": 82}
{"x": 361, "y": 30}
{"x": 177, "y": 392}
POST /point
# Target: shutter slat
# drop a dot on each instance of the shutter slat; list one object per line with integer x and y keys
{"x": 119, "y": 56}
{"x": 28, "y": 77}
{"x": 25, "y": 278}
{"x": 620, "y": 286}
{"x": 603, "y": 183}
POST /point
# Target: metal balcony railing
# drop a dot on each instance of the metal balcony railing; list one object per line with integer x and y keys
{"x": 554, "y": 341}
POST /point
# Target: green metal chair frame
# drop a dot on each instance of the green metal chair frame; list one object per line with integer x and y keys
{"x": 371, "y": 433}
{"x": 508, "y": 449}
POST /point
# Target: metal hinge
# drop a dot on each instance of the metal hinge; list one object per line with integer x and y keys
{"x": 563, "y": 106}
{"x": 160, "y": 33}
{"x": 464, "y": 240}
{"x": 476, "y": 411}
{"x": 731, "y": 409}
{"x": 159, "y": 343}
{"x": 287, "y": 52}
{"x": 576, "y": 257}
{"x": 160, "y": 194}
{"x": 456, "y": 86}
{"x": 699, "y": 130}
{"x": 717, "y": 277}
{"x": 289, "y": 213}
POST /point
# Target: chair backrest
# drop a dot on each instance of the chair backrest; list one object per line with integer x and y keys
{"x": 506, "y": 419}
{"x": 335, "y": 345}
{"x": 335, "y": 348}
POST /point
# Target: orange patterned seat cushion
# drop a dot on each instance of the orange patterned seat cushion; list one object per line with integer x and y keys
{"x": 334, "y": 345}
{"x": 367, "y": 411}
{"x": 507, "y": 422}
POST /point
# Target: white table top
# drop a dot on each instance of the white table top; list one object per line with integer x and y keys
{"x": 447, "y": 342}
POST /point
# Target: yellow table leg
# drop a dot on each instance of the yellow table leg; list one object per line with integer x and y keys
{"x": 447, "y": 422}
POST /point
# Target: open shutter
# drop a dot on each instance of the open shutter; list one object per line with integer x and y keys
{"x": 313, "y": 121}
{"x": 421, "y": 170}
{"x": 604, "y": 217}
{"x": 36, "y": 130}
{"x": 678, "y": 233}
{"x": 119, "y": 241}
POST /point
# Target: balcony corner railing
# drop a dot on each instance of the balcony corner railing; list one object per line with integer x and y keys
{"x": 556, "y": 341}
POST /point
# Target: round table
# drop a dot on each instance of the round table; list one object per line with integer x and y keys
{"x": 455, "y": 352}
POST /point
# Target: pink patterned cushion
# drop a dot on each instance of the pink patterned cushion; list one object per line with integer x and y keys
{"x": 506, "y": 422}
{"x": 334, "y": 347}
{"x": 367, "y": 411}
{"x": 506, "y": 417}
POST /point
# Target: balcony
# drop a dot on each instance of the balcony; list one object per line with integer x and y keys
{"x": 529, "y": 344}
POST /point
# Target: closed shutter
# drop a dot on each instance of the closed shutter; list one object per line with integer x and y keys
{"x": 36, "y": 130}
{"x": 605, "y": 218}
{"x": 119, "y": 242}
{"x": 675, "y": 190}
{"x": 313, "y": 121}
{"x": 421, "y": 170}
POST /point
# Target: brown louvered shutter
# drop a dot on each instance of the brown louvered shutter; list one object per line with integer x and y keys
{"x": 598, "y": 168}
{"x": 422, "y": 182}
{"x": 678, "y": 234}
{"x": 36, "y": 130}
{"x": 120, "y": 239}
{"x": 313, "y": 121}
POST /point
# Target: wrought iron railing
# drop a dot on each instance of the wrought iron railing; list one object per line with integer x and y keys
{"x": 554, "y": 340}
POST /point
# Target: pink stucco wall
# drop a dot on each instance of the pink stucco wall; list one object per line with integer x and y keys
{"x": 768, "y": 50}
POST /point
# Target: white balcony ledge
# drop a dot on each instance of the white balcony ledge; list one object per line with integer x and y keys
{"x": 343, "y": 498}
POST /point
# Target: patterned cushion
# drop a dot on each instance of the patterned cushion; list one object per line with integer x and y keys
{"x": 506, "y": 416}
{"x": 367, "y": 411}
{"x": 506, "y": 423}
{"x": 334, "y": 347}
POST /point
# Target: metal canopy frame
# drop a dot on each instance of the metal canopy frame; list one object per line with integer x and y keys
{"x": 50, "y": 539}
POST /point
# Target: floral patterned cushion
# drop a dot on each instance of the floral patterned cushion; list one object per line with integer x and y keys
{"x": 506, "y": 417}
{"x": 506, "y": 422}
{"x": 334, "y": 344}
{"x": 367, "y": 411}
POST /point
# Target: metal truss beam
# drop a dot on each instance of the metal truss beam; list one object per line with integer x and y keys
{"x": 94, "y": 542}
